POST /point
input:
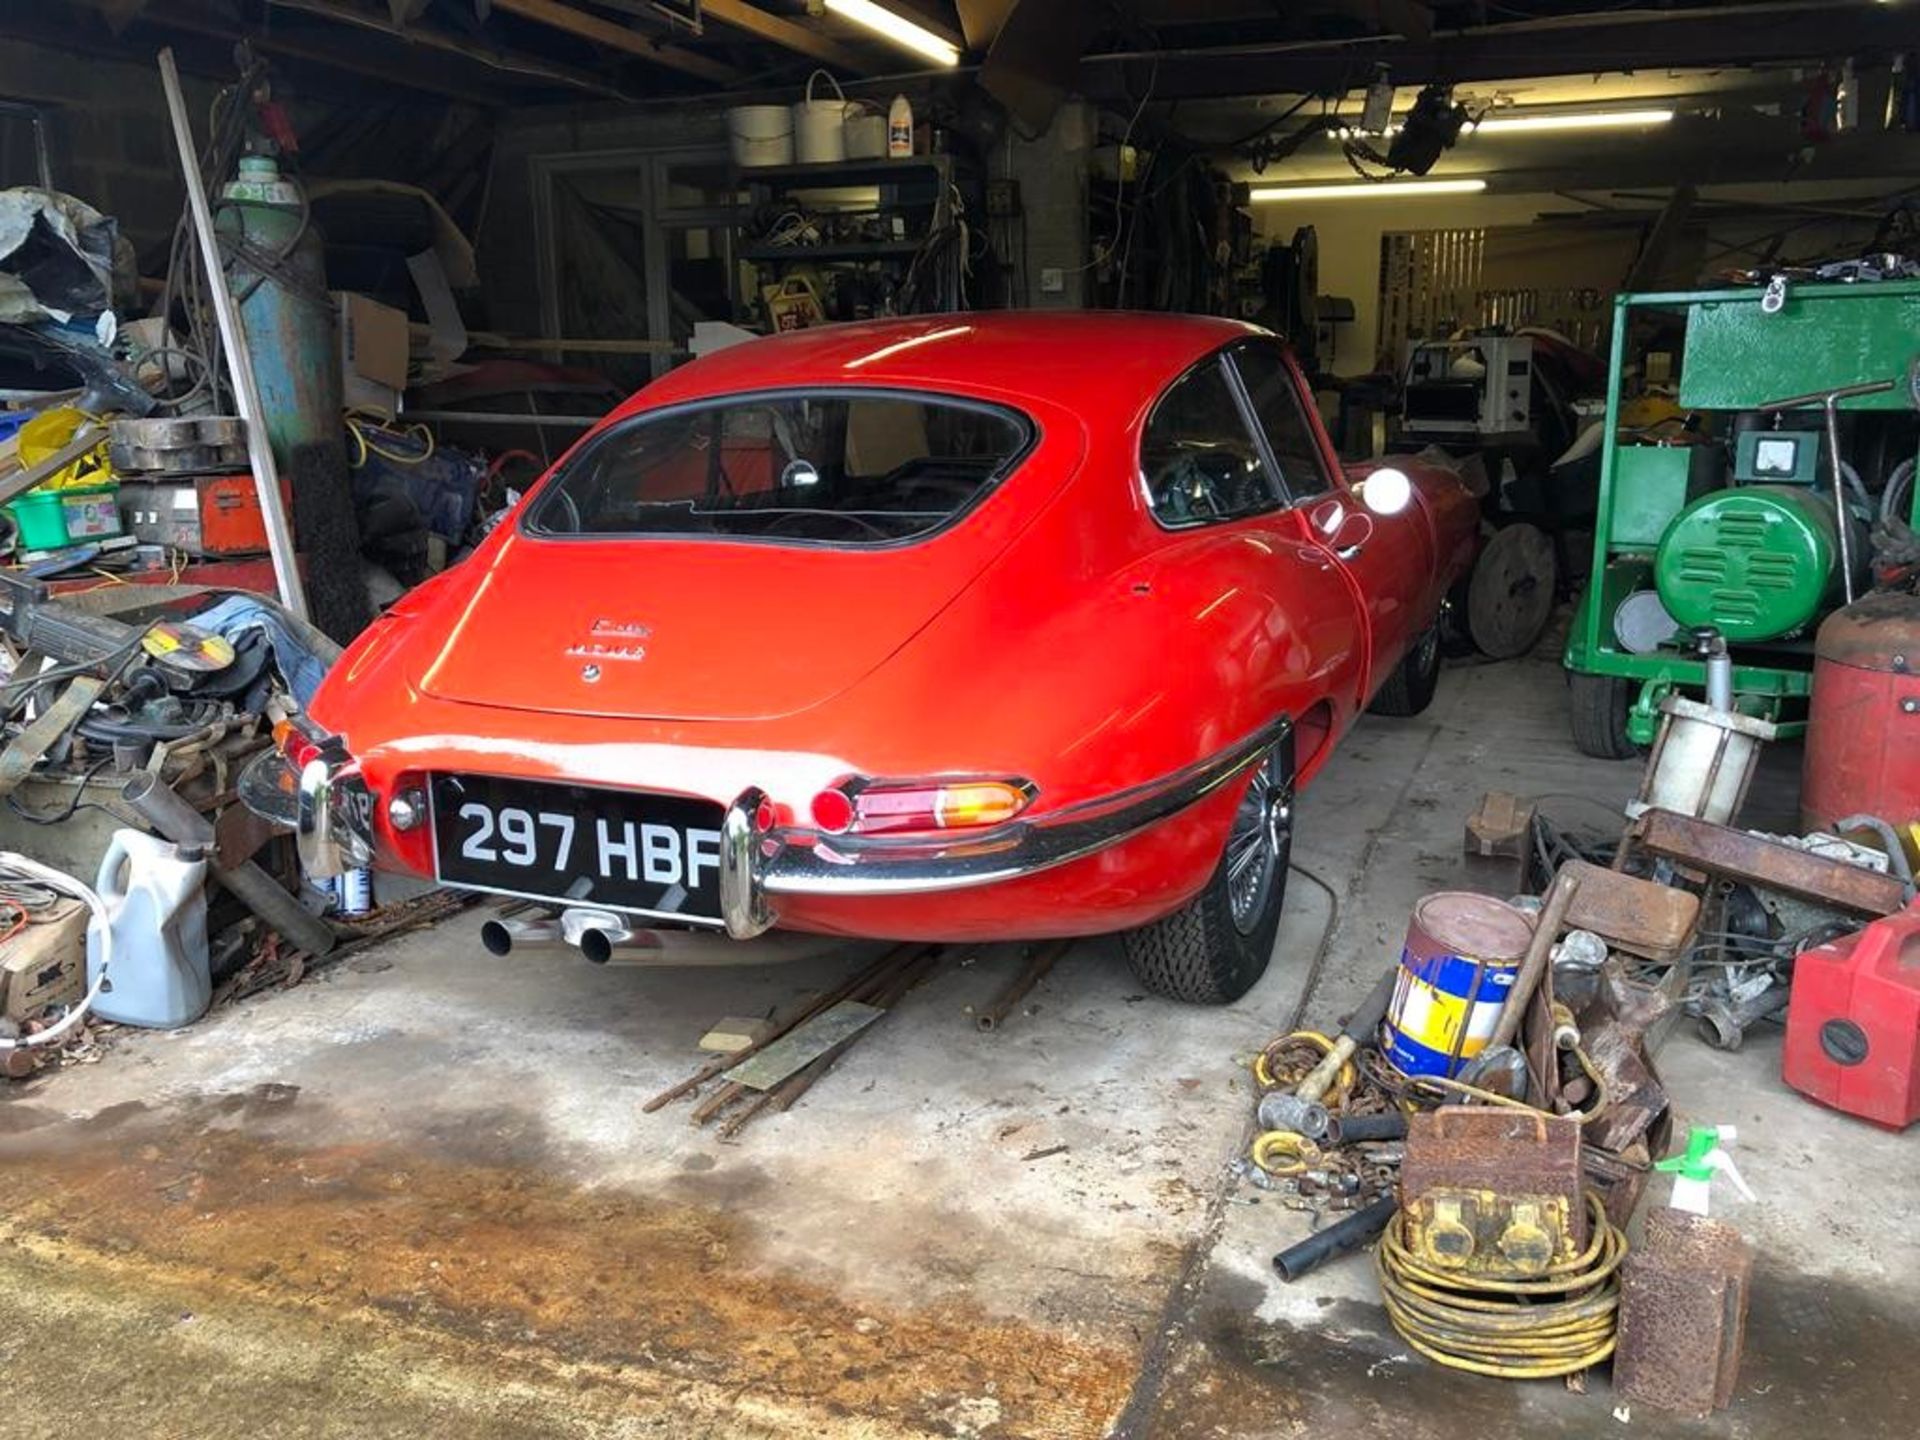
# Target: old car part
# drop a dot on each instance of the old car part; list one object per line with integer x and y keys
{"x": 1300, "y": 1110}
{"x": 160, "y": 806}
{"x": 1656, "y": 922}
{"x": 1863, "y": 728}
{"x": 1853, "y": 1027}
{"x": 1492, "y": 1190}
{"x": 1683, "y": 1314}
{"x": 1703, "y": 759}
{"x": 1351, "y": 1233}
{"x": 1757, "y": 537}
{"x": 1556, "y": 1323}
{"x": 1766, "y": 864}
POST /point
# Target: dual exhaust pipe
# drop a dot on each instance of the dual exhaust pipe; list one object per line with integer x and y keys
{"x": 601, "y": 936}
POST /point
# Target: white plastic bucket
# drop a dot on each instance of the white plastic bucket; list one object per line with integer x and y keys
{"x": 820, "y": 126}
{"x": 761, "y": 134}
{"x": 866, "y": 135}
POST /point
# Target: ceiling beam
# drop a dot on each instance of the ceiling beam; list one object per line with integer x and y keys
{"x": 348, "y": 60}
{"x": 507, "y": 62}
{"x": 1581, "y": 44}
{"x": 599, "y": 31}
{"x": 798, "y": 38}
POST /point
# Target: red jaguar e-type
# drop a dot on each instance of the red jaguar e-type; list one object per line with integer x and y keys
{"x": 982, "y": 626}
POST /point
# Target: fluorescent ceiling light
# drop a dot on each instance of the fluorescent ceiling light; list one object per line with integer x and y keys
{"x": 1592, "y": 120}
{"x": 1515, "y": 122}
{"x": 1367, "y": 191}
{"x": 899, "y": 29}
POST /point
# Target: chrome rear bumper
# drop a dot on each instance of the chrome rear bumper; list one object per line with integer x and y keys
{"x": 756, "y": 867}
{"x": 330, "y": 813}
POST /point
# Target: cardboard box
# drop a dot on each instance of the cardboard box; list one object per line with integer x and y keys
{"x": 373, "y": 352}
{"x": 45, "y": 964}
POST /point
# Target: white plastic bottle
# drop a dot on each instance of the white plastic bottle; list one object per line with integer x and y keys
{"x": 899, "y": 128}
{"x": 156, "y": 899}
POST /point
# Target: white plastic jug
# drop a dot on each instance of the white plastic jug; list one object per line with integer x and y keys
{"x": 156, "y": 899}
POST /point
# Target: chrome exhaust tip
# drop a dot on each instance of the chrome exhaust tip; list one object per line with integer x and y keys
{"x": 605, "y": 938}
{"x": 504, "y": 936}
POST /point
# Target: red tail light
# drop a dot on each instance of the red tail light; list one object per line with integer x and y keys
{"x": 297, "y": 743}
{"x": 898, "y": 807}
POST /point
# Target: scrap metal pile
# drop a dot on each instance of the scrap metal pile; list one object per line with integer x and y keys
{"x": 1492, "y": 1113}
{"x": 126, "y": 716}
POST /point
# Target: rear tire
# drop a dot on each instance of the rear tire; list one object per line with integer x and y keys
{"x": 1215, "y": 949}
{"x": 1597, "y": 708}
{"x": 1409, "y": 689}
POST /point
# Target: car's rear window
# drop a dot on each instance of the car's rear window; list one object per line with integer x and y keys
{"x": 838, "y": 468}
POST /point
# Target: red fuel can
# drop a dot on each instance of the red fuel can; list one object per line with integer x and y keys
{"x": 1863, "y": 724}
{"x": 1853, "y": 1022}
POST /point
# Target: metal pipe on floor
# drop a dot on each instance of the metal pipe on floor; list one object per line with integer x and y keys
{"x": 156, "y": 802}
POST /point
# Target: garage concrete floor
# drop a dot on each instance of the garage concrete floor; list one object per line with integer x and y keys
{"x": 415, "y": 1196}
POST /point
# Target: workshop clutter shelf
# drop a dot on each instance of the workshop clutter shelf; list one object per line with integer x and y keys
{"x": 852, "y": 239}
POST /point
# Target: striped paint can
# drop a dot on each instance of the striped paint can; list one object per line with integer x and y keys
{"x": 1462, "y": 955}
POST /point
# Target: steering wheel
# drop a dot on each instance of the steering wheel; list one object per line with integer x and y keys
{"x": 780, "y": 525}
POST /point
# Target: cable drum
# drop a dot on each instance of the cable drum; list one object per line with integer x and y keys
{"x": 1559, "y": 1323}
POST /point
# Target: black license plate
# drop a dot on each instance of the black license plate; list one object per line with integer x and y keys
{"x": 574, "y": 844}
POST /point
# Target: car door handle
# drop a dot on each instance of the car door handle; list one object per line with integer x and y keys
{"x": 1350, "y": 552}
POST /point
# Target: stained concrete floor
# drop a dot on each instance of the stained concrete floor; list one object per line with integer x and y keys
{"x": 416, "y": 1196}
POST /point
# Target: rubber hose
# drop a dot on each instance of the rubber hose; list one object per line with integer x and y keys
{"x": 20, "y": 865}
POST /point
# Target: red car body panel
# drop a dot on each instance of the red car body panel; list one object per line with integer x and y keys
{"x": 1056, "y": 631}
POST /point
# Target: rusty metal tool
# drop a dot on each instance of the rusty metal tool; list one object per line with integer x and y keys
{"x": 1300, "y": 1110}
{"x": 1766, "y": 864}
{"x": 1042, "y": 960}
{"x": 1546, "y": 930}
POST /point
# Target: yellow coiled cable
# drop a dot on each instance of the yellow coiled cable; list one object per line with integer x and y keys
{"x": 1560, "y": 1322}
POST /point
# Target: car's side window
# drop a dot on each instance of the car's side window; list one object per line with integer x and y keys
{"x": 1198, "y": 461}
{"x": 1290, "y": 434}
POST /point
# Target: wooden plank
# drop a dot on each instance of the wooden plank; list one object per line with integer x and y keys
{"x": 799, "y": 38}
{"x": 557, "y": 16}
{"x": 804, "y": 1044}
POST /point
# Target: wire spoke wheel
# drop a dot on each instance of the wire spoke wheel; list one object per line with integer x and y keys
{"x": 1258, "y": 844}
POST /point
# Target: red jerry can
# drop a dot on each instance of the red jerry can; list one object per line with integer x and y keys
{"x": 1853, "y": 1022}
{"x": 1863, "y": 725}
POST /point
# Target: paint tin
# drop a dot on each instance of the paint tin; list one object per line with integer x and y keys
{"x": 355, "y": 891}
{"x": 1462, "y": 954}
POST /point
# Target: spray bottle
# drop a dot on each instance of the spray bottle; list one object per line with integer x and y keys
{"x": 1693, "y": 1170}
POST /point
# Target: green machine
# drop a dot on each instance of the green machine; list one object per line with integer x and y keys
{"x": 1742, "y": 523}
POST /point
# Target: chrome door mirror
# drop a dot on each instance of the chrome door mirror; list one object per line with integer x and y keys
{"x": 1385, "y": 491}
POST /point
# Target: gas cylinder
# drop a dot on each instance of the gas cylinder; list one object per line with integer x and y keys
{"x": 1863, "y": 725}
{"x": 277, "y": 271}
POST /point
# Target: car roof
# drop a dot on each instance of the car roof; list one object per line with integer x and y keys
{"x": 1099, "y": 361}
